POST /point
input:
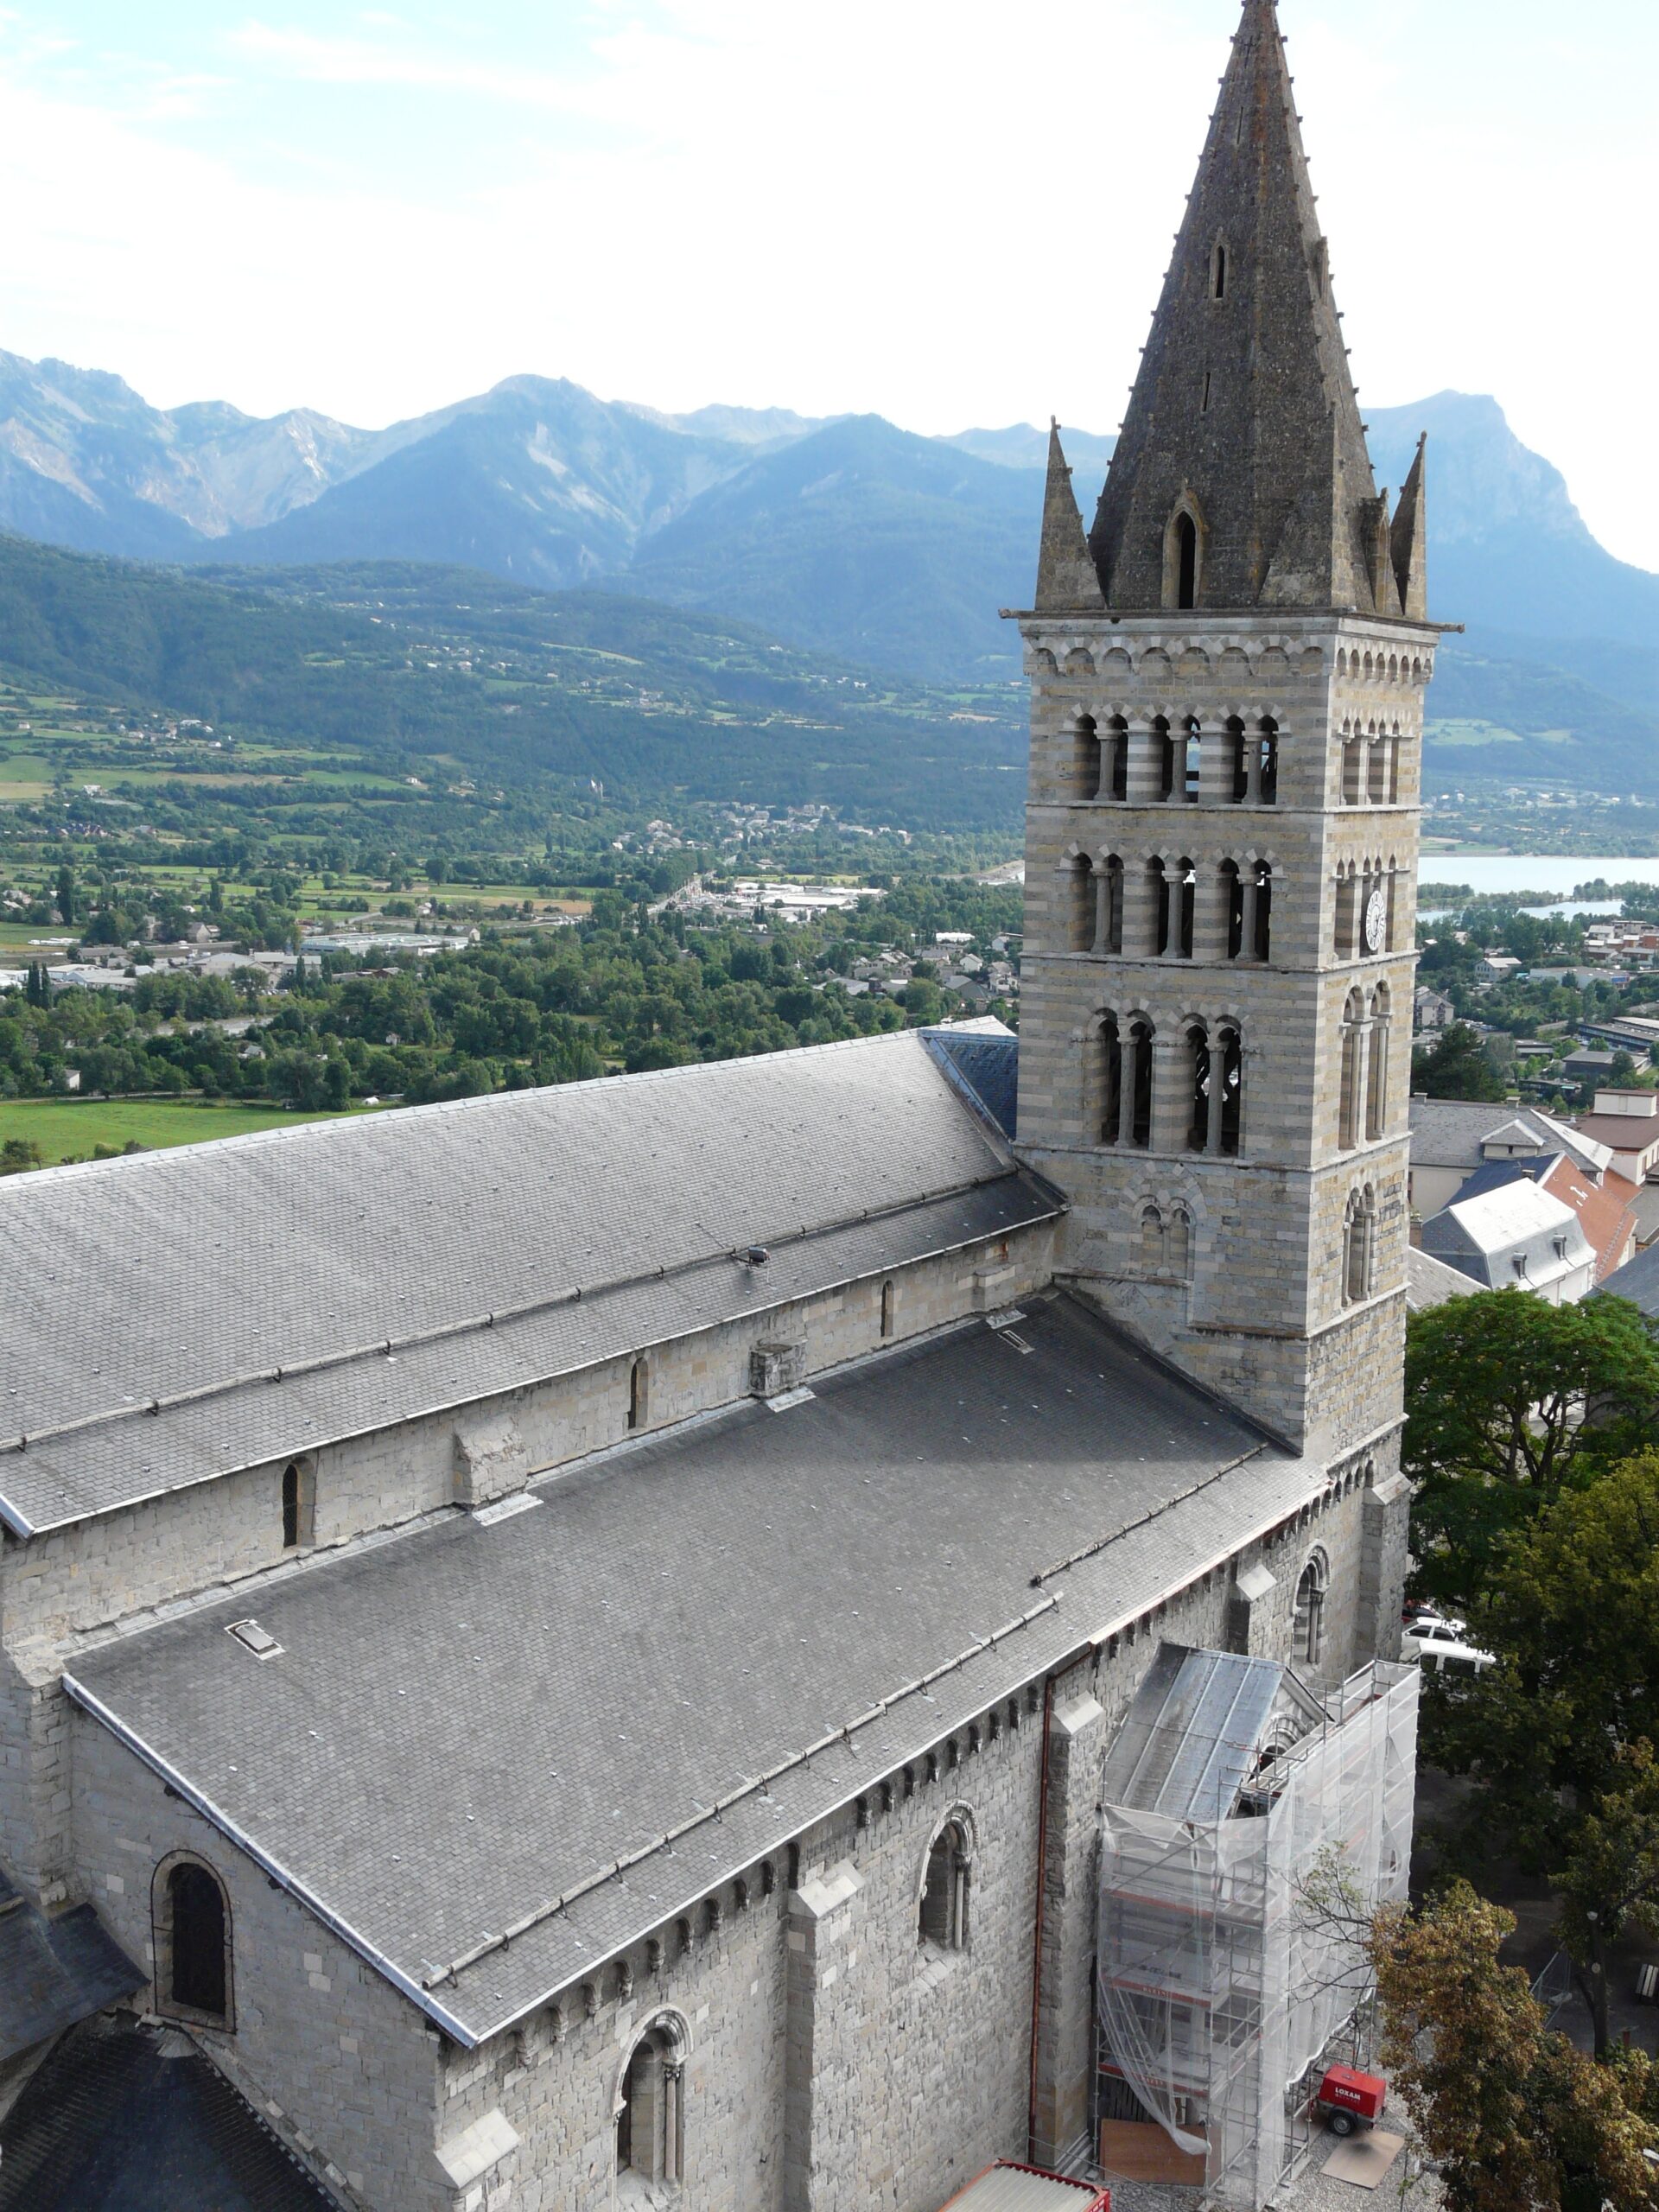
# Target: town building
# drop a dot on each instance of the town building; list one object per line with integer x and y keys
{"x": 570, "y": 1647}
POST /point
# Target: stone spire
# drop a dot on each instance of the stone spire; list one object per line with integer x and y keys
{"x": 1244, "y": 416}
{"x": 1065, "y": 574}
{"x": 1409, "y": 542}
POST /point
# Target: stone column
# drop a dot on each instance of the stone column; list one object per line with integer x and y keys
{"x": 1247, "y": 885}
{"x": 1103, "y": 910}
{"x": 1139, "y": 911}
{"x": 818, "y": 2084}
{"x": 1069, "y": 1875}
{"x": 1145, "y": 769}
{"x": 1213, "y": 913}
{"x": 1172, "y": 1088}
{"x": 1382, "y": 1562}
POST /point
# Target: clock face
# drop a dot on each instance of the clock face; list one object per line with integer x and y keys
{"x": 1377, "y": 921}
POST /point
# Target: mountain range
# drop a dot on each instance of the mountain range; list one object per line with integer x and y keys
{"x": 844, "y": 536}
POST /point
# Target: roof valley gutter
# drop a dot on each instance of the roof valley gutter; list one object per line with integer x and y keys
{"x": 277, "y": 1873}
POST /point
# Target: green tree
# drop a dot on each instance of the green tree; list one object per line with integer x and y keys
{"x": 1499, "y": 1388}
{"x": 65, "y": 893}
{"x": 37, "y": 990}
{"x": 1515, "y": 2117}
{"x": 1550, "y": 1731}
{"x": 19, "y": 1155}
{"x": 1611, "y": 1880}
{"x": 1457, "y": 1067}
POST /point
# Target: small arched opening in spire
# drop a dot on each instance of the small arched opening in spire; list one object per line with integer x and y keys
{"x": 1218, "y": 271}
{"x": 1184, "y": 554}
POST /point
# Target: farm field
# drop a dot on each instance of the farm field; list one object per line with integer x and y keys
{"x": 68, "y": 1129}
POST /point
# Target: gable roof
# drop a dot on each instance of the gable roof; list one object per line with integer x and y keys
{"x": 691, "y": 1650}
{"x": 1452, "y": 1133}
{"x": 175, "y": 1315}
{"x": 53, "y": 1972}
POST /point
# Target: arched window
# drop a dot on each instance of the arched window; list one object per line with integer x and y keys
{"x": 1267, "y": 757}
{"x": 639, "y": 1393}
{"x": 886, "y": 1309}
{"x": 1264, "y": 945}
{"x": 1080, "y": 905}
{"x": 1194, "y": 760}
{"x": 1164, "y": 744}
{"x": 1218, "y": 272}
{"x": 1197, "y": 1046}
{"x": 1115, "y": 771}
{"x": 1138, "y": 1084}
{"x": 1187, "y": 906}
{"x": 1239, "y": 755}
{"x": 299, "y": 1497}
{"x": 1232, "y": 886}
{"x": 1087, "y": 770}
{"x": 1163, "y": 901}
{"x": 1229, "y": 1050}
{"x": 1376, "y": 1086}
{"x": 1152, "y": 1240}
{"x": 650, "y": 2106}
{"x": 1105, "y": 1112}
{"x": 1377, "y": 781}
{"x": 1359, "y": 1238}
{"x": 1108, "y": 922}
{"x": 192, "y": 1936}
{"x": 1181, "y": 1244}
{"x": 1394, "y": 767}
{"x": 942, "y": 1919}
{"x": 1186, "y": 562}
{"x": 1310, "y": 1610}
{"x": 1353, "y": 757}
{"x": 1353, "y": 1048}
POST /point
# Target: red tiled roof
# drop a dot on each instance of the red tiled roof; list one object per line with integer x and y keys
{"x": 1606, "y": 1210}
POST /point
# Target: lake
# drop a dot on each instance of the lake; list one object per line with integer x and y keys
{"x": 1505, "y": 872}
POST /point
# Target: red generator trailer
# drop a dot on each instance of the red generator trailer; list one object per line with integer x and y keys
{"x": 1010, "y": 2187}
{"x": 1350, "y": 2100}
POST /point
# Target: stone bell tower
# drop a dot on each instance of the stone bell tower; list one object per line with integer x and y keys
{"x": 1227, "y": 680}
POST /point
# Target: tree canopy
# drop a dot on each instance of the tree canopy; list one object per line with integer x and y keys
{"x": 1500, "y": 1389}
{"x": 1459, "y": 1066}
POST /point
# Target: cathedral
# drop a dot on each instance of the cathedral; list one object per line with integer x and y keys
{"x": 550, "y": 1659}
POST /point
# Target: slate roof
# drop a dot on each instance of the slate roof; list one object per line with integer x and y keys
{"x": 1483, "y": 1237}
{"x": 53, "y": 1972}
{"x": 1637, "y": 1280}
{"x": 1430, "y": 1282}
{"x": 567, "y": 1726}
{"x": 127, "y": 2119}
{"x": 174, "y": 1316}
{"x": 1450, "y": 1132}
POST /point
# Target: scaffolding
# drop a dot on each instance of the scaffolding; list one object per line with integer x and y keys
{"x": 1250, "y": 1823}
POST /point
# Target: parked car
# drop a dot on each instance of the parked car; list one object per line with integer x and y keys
{"x": 1442, "y": 1645}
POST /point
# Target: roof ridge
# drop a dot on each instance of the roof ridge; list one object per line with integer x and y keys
{"x": 38, "y": 1179}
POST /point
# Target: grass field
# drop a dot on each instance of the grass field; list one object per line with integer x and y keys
{"x": 67, "y": 1129}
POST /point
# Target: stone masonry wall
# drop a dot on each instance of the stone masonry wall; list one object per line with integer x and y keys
{"x": 1236, "y": 1301}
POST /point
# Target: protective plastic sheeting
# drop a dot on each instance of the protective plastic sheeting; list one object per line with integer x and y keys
{"x": 1223, "y": 1976}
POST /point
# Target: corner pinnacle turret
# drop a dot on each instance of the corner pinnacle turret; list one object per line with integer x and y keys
{"x": 1241, "y": 477}
{"x": 1065, "y": 574}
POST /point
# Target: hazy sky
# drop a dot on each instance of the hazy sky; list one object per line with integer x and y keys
{"x": 947, "y": 213}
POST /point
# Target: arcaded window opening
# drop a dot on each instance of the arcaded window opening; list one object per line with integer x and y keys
{"x": 1107, "y": 1082}
{"x": 942, "y": 1917}
{"x": 639, "y": 1393}
{"x": 1086, "y": 738}
{"x": 1139, "y": 1084}
{"x": 1186, "y": 562}
{"x": 299, "y": 1504}
{"x": 1377, "y": 1087}
{"x": 1117, "y": 740}
{"x": 1239, "y": 757}
{"x": 1268, "y": 759}
{"x": 1309, "y": 1645}
{"x": 1164, "y": 741}
{"x": 650, "y": 2109}
{"x": 1359, "y": 1239}
{"x": 190, "y": 1916}
{"x": 1192, "y": 784}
